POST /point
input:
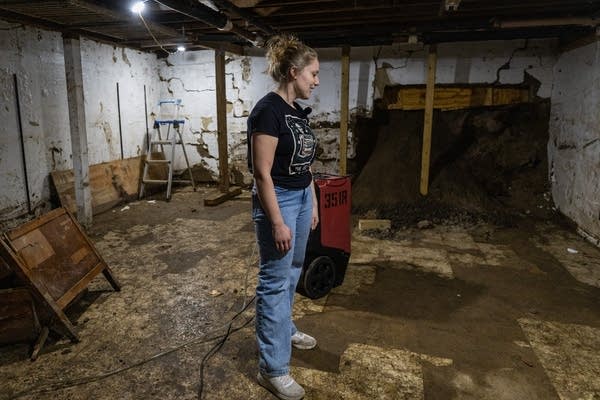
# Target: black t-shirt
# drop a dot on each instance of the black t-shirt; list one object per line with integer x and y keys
{"x": 296, "y": 146}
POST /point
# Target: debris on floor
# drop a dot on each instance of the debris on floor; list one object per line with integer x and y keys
{"x": 451, "y": 312}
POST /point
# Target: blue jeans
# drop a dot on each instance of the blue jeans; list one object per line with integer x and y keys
{"x": 278, "y": 277}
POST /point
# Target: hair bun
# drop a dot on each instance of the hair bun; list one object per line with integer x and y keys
{"x": 285, "y": 51}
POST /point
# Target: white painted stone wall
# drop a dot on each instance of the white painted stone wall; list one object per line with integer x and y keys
{"x": 103, "y": 67}
{"x": 190, "y": 76}
{"x": 502, "y": 62}
{"x": 574, "y": 145}
{"x": 36, "y": 56}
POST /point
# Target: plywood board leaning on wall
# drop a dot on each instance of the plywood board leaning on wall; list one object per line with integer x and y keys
{"x": 111, "y": 182}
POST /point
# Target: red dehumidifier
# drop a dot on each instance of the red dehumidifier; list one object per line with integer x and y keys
{"x": 328, "y": 249}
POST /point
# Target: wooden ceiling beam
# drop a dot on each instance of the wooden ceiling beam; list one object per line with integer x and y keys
{"x": 356, "y": 12}
{"x": 248, "y": 17}
{"x": 376, "y": 23}
{"x": 422, "y": 9}
{"x": 270, "y": 4}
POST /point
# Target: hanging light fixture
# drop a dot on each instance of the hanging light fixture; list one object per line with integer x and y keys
{"x": 181, "y": 46}
{"x": 138, "y": 7}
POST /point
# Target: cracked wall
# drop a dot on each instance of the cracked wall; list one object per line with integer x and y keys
{"x": 190, "y": 76}
{"x": 503, "y": 62}
{"x": 574, "y": 145}
{"x": 103, "y": 67}
{"x": 36, "y": 57}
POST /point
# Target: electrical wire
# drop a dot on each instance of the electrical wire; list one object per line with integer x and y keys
{"x": 54, "y": 386}
{"x": 215, "y": 349}
{"x": 154, "y": 37}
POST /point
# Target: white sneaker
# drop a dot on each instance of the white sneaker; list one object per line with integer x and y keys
{"x": 284, "y": 387}
{"x": 302, "y": 341}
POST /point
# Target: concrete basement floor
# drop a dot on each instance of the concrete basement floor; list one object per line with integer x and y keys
{"x": 444, "y": 313}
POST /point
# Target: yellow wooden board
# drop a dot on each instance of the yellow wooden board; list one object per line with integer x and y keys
{"x": 111, "y": 182}
{"x": 454, "y": 97}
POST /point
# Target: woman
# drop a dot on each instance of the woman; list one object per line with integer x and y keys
{"x": 281, "y": 148}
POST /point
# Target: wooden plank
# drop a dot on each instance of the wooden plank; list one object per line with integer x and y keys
{"x": 344, "y": 101}
{"x": 222, "y": 121}
{"x": 374, "y": 224}
{"x": 454, "y": 97}
{"x": 428, "y": 123}
{"x": 39, "y": 343}
{"x": 567, "y": 46}
{"x": 56, "y": 260}
{"x": 5, "y": 271}
{"x": 18, "y": 321}
{"x": 220, "y": 198}
{"x": 221, "y": 46}
{"x": 36, "y": 223}
{"x": 39, "y": 291}
{"x": 79, "y": 287}
{"x": 111, "y": 183}
{"x": 106, "y": 270}
{"x": 79, "y": 145}
{"x": 57, "y": 240}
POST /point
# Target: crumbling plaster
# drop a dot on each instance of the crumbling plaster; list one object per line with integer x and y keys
{"x": 32, "y": 55}
{"x": 103, "y": 67}
{"x": 574, "y": 145}
{"x": 37, "y": 58}
{"x": 190, "y": 76}
{"x": 503, "y": 62}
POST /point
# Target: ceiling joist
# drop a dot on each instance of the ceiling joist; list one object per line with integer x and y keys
{"x": 236, "y": 24}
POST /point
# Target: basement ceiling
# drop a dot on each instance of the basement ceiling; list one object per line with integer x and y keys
{"x": 234, "y": 24}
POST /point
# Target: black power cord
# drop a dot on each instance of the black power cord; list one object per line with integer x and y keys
{"x": 220, "y": 344}
{"x": 54, "y": 386}
{"x": 215, "y": 349}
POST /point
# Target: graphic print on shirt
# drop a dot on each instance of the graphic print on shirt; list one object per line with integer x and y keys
{"x": 304, "y": 144}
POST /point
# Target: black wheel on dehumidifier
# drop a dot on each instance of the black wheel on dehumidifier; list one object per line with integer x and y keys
{"x": 317, "y": 278}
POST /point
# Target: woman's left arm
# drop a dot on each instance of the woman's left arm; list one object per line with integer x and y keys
{"x": 315, "y": 207}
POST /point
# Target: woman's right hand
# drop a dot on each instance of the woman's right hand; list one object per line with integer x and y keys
{"x": 283, "y": 237}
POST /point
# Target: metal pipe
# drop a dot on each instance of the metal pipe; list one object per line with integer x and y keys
{"x": 20, "y": 123}
{"x": 500, "y": 34}
{"x": 208, "y": 16}
{"x": 119, "y": 113}
{"x": 146, "y": 115}
{"x": 529, "y": 23}
{"x": 245, "y": 15}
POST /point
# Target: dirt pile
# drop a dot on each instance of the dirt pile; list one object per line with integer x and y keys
{"x": 488, "y": 163}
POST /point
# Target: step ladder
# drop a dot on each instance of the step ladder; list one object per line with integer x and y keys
{"x": 172, "y": 137}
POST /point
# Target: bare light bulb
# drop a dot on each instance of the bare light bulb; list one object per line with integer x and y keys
{"x": 138, "y": 7}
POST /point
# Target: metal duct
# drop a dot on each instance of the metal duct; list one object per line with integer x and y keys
{"x": 530, "y": 23}
{"x": 208, "y": 16}
{"x": 243, "y": 14}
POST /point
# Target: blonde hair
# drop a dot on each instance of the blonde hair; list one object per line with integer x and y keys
{"x": 284, "y": 52}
